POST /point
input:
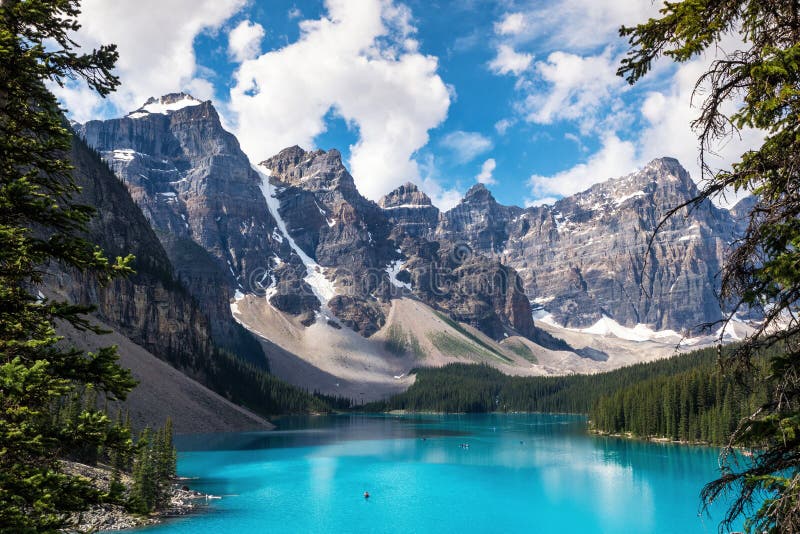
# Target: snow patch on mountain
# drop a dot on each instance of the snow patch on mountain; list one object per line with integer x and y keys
{"x": 607, "y": 326}
{"x": 405, "y": 206}
{"x": 124, "y": 154}
{"x": 238, "y": 296}
{"x": 641, "y": 332}
{"x": 164, "y": 105}
{"x": 392, "y": 270}
{"x": 635, "y": 194}
{"x": 323, "y": 288}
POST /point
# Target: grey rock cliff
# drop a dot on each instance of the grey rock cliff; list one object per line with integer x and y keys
{"x": 470, "y": 287}
{"x": 359, "y": 241}
{"x": 587, "y": 255}
{"x": 479, "y": 220}
{"x": 410, "y": 211}
{"x": 150, "y": 307}
{"x": 741, "y": 212}
{"x": 341, "y": 230}
{"x": 325, "y": 213}
{"x": 450, "y": 275}
{"x": 584, "y": 257}
{"x": 199, "y": 193}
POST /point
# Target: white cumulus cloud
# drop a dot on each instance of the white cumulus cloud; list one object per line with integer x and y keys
{"x": 576, "y": 25}
{"x": 509, "y": 61}
{"x": 577, "y": 88}
{"x": 155, "y": 40}
{"x": 503, "y": 125}
{"x": 510, "y": 24}
{"x": 485, "y": 176}
{"x": 359, "y": 60}
{"x": 577, "y": 84}
{"x": 466, "y": 146}
{"x": 668, "y": 115}
{"x": 244, "y": 41}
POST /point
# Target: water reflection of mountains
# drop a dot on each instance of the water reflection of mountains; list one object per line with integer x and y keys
{"x": 296, "y": 431}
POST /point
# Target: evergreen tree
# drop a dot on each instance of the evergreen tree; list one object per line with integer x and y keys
{"x": 116, "y": 489}
{"x": 40, "y": 225}
{"x": 143, "y": 492}
{"x": 165, "y": 463}
{"x": 760, "y": 80}
{"x": 153, "y": 470}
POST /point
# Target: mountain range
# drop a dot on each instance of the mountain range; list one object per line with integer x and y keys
{"x": 345, "y": 295}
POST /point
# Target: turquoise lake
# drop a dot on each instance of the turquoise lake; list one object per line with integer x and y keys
{"x": 520, "y": 473}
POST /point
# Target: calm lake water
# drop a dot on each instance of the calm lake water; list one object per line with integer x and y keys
{"x": 520, "y": 473}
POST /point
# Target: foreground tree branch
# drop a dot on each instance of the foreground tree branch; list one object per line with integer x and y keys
{"x": 762, "y": 270}
{"x": 40, "y": 225}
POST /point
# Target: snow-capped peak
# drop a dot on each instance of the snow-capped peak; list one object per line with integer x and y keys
{"x": 165, "y": 104}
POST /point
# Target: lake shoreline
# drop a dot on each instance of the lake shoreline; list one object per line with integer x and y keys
{"x": 624, "y": 435}
{"x": 433, "y": 412}
{"x": 114, "y": 517}
{"x": 650, "y": 439}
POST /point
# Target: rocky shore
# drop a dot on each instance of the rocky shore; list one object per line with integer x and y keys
{"x": 106, "y": 517}
{"x": 114, "y": 517}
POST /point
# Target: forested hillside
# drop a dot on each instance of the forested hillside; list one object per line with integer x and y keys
{"x": 684, "y": 398}
{"x": 696, "y": 405}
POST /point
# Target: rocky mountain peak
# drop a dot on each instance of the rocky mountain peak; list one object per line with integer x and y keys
{"x": 317, "y": 170}
{"x": 478, "y": 220}
{"x": 741, "y": 210}
{"x": 589, "y": 255}
{"x": 478, "y": 193}
{"x": 198, "y": 191}
{"x": 669, "y": 173}
{"x": 406, "y": 195}
{"x": 165, "y": 104}
{"x": 661, "y": 184}
{"x": 410, "y": 211}
{"x": 285, "y": 159}
{"x": 333, "y": 156}
{"x": 667, "y": 165}
{"x": 171, "y": 98}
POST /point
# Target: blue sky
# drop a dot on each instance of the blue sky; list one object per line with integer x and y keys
{"x": 521, "y": 95}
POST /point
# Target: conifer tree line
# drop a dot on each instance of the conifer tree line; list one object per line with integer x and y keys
{"x": 700, "y": 405}
{"x": 685, "y": 397}
{"x": 254, "y": 388}
{"x": 149, "y": 461}
{"x": 461, "y": 387}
